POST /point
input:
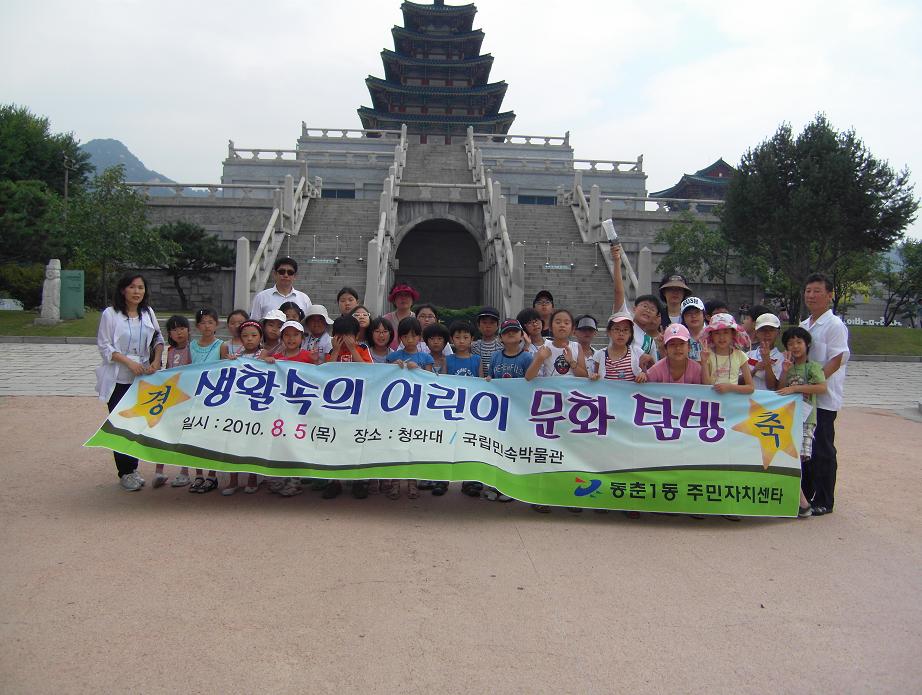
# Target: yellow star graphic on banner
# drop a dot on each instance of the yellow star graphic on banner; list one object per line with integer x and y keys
{"x": 772, "y": 428}
{"x": 154, "y": 399}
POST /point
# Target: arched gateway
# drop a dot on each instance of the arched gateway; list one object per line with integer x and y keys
{"x": 442, "y": 259}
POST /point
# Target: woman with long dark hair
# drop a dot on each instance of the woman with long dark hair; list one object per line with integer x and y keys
{"x": 131, "y": 345}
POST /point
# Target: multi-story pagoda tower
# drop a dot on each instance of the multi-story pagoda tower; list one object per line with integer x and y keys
{"x": 436, "y": 80}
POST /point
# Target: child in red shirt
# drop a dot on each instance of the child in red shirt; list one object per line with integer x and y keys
{"x": 346, "y": 347}
{"x": 292, "y": 336}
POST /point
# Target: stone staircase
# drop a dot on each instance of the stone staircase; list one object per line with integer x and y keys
{"x": 552, "y": 237}
{"x": 316, "y": 248}
{"x": 437, "y": 164}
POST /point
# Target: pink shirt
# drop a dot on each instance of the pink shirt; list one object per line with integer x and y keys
{"x": 659, "y": 373}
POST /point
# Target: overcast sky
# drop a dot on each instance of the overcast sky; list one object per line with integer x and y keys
{"x": 682, "y": 83}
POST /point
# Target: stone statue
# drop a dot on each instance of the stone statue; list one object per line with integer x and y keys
{"x": 51, "y": 294}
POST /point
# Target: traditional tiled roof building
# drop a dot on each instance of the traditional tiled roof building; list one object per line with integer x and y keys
{"x": 435, "y": 79}
{"x": 709, "y": 183}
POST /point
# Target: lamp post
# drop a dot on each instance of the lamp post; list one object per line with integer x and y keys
{"x": 68, "y": 165}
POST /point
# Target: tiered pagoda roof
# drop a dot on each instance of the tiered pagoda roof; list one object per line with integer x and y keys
{"x": 436, "y": 80}
{"x": 709, "y": 183}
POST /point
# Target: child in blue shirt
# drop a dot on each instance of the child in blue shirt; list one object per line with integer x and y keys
{"x": 409, "y": 333}
{"x": 462, "y": 362}
{"x": 512, "y": 361}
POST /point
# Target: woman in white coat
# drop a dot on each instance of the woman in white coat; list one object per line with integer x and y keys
{"x": 131, "y": 345}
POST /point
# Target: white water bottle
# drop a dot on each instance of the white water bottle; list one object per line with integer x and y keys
{"x": 610, "y": 232}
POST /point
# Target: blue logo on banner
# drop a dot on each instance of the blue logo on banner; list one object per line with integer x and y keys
{"x": 586, "y": 491}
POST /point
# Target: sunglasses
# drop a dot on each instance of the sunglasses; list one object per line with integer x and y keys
{"x": 285, "y": 271}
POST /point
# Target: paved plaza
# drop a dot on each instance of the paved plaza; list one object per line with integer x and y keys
{"x": 163, "y": 591}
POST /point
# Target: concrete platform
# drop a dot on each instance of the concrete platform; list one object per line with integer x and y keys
{"x": 163, "y": 591}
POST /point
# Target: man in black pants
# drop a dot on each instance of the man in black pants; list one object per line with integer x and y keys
{"x": 829, "y": 347}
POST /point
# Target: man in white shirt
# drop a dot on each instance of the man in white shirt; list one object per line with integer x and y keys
{"x": 829, "y": 347}
{"x": 284, "y": 271}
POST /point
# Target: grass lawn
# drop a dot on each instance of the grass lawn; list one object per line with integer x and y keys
{"x": 22, "y": 323}
{"x": 877, "y": 340}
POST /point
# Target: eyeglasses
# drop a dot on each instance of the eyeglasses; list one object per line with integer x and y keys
{"x": 543, "y": 302}
{"x": 285, "y": 271}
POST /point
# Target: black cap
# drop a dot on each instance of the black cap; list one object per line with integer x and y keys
{"x": 488, "y": 312}
{"x": 510, "y": 325}
{"x": 543, "y": 294}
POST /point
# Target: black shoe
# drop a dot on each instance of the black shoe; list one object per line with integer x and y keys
{"x": 333, "y": 488}
{"x": 820, "y": 511}
{"x": 425, "y": 485}
{"x": 439, "y": 489}
{"x": 360, "y": 489}
{"x": 471, "y": 488}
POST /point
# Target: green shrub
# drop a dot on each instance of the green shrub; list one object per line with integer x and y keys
{"x": 23, "y": 281}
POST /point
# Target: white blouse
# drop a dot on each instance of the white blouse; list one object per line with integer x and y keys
{"x": 118, "y": 333}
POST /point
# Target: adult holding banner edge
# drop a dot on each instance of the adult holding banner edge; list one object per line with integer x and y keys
{"x": 131, "y": 345}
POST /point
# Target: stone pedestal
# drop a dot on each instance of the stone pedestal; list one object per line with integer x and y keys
{"x": 51, "y": 295}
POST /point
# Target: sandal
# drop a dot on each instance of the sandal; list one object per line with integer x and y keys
{"x": 196, "y": 485}
{"x": 277, "y": 485}
{"x": 209, "y": 485}
{"x": 394, "y": 492}
{"x": 374, "y": 486}
{"x": 292, "y": 488}
{"x": 412, "y": 490}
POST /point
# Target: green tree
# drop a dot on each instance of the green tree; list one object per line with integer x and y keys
{"x": 107, "y": 228}
{"x": 30, "y": 223}
{"x": 697, "y": 249}
{"x": 196, "y": 253}
{"x": 29, "y": 151}
{"x": 900, "y": 279}
{"x": 805, "y": 204}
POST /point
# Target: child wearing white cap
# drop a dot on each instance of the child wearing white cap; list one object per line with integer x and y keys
{"x": 317, "y": 336}
{"x": 766, "y": 360}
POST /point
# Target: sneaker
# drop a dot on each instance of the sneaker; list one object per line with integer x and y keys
{"x": 319, "y": 484}
{"x": 292, "y": 488}
{"x": 137, "y": 476}
{"x": 129, "y": 483}
{"x": 159, "y": 480}
{"x": 471, "y": 488}
{"x": 439, "y": 489}
{"x": 820, "y": 511}
{"x": 277, "y": 485}
{"x": 180, "y": 480}
{"x": 804, "y": 512}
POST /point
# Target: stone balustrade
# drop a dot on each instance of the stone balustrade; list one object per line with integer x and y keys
{"x": 667, "y": 205}
{"x": 609, "y": 165}
{"x": 453, "y": 189}
{"x": 545, "y": 140}
{"x": 208, "y": 190}
{"x": 349, "y": 133}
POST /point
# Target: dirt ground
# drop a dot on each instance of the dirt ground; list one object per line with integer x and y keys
{"x": 163, "y": 591}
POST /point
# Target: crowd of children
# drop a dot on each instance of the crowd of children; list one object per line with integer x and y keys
{"x": 673, "y": 338}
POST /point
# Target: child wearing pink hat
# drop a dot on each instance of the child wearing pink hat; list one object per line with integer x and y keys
{"x": 402, "y": 297}
{"x": 676, "y": 367}
{"x": 723, "y": 359}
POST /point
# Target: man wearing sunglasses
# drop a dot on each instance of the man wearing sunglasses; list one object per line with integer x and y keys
{"x": 284, "y": 271}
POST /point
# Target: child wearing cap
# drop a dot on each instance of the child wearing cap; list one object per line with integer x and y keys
{"x": 693, "y": 319}
{"x": 799, "y": 374}
{"x": 723, "y": 361}
{"x": 292, "y": 349}
{"x": 402, "y": 296}
{"x": 272, "y": 332}
{"x": 749, "y": 317}
{"x": 544, "y": 305}
{"x": 766, "y": 360}
{"x": 316, "y": 336}
{"x": 586, "y": 330}
{"x": 620, "y": 361}
{"x": 512, "y": 361}
{"x": 487, "y": 324}
{"x": 672, "y": 290}
{"x": 675, "y": 367}
{"x": 559, "y": 357}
